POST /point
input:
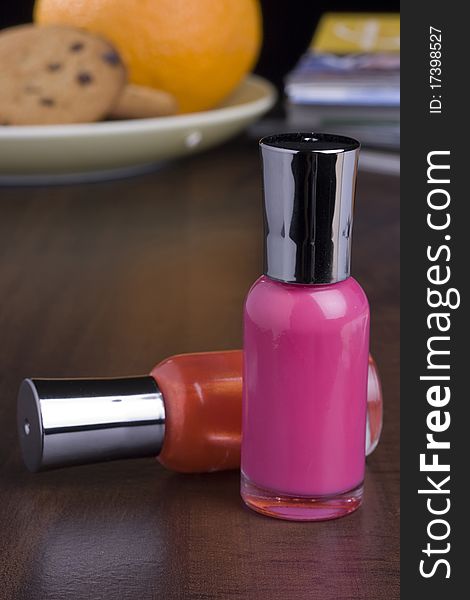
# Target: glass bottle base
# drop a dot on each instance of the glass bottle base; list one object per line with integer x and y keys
{"x": 299, "y": 508}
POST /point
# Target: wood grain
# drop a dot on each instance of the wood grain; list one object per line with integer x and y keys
{"x": 108, "y": 279}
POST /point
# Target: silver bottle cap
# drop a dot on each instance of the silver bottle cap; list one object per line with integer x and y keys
{"x": 73, "y": 421}
{"x": 309, "y": 189}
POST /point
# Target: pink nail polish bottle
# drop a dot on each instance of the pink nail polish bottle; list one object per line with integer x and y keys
{"x": 306, "y": 338}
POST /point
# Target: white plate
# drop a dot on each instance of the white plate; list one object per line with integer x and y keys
{"x": 31, "y": 154}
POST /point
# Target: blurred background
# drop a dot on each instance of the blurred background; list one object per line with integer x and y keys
{"x": 294, "y": 20}
{"x": 335, "y": 66}
{"x": 288, "y": 26}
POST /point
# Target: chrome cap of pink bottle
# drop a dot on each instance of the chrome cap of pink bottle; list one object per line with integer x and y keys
{"x": 309, "y": 187}
{"x": 306, "y": 337}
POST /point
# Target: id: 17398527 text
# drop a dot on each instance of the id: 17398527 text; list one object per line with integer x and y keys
{"x": 435, "y": 70}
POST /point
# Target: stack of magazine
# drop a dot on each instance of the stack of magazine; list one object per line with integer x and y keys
{"x": 349, "y": 81}
{"x": 356, "y": 95}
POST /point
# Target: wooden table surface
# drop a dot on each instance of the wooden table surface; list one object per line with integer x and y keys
{"x": 107, "y": 279}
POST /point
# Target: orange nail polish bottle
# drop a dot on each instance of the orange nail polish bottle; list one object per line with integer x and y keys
{"x": 203, "y": 425}
{"x": 187, "y": 412}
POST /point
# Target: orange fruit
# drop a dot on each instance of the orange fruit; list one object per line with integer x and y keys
{"x": 197, "y": 50}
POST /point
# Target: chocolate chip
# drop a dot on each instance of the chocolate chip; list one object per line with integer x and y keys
{"x": 46, "y": 102}
{"x": 5, "y": 123}
{"x": 76, "y": 47}
{"x": 54, "y": 67}
{"x": 112, "y": 58}
{"x": 84, "y": 78}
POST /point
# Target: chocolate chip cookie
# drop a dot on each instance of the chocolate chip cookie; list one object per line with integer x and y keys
{"x": 140, "y": 102}
{"x": 56, "y": 74}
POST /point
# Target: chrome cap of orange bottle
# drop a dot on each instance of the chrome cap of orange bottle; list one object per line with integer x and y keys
{"x": 309, "y": 189}
{"x": 74, "y": 421}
